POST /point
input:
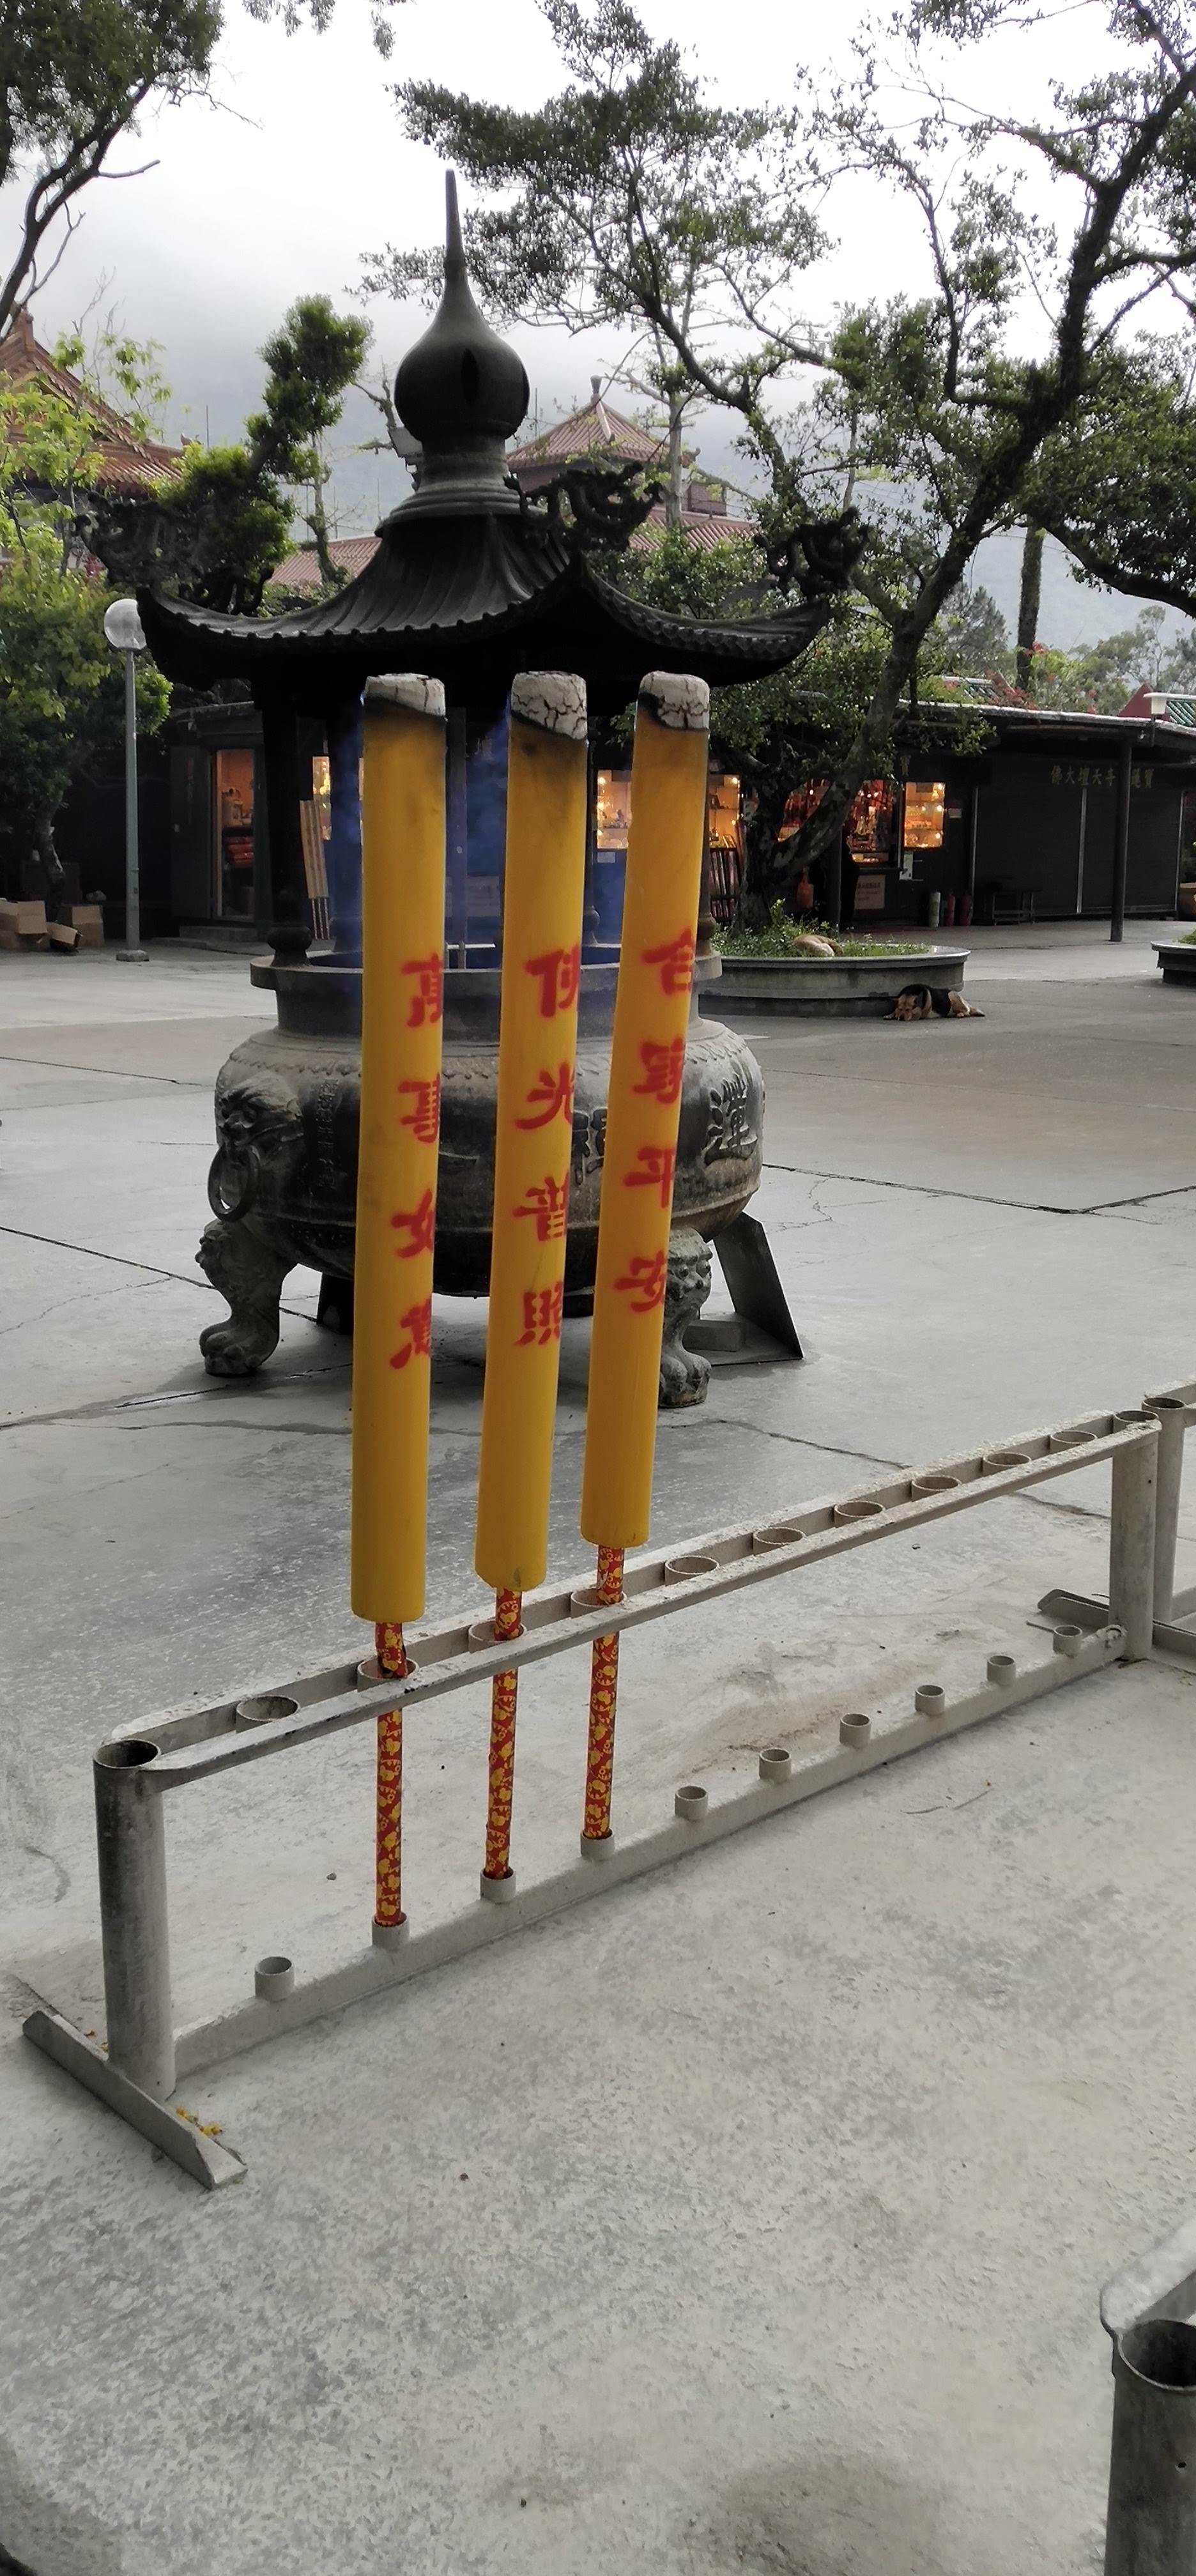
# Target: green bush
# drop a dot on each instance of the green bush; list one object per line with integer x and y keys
{"x": 782, "y": 936}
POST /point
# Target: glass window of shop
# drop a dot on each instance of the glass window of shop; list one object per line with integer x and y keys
{"x": 233, "y": 887}
{"x": 612, "y": 824}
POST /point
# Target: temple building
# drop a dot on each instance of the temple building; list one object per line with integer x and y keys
{"x": 472, "y": 580}
{"x": 127, "y": 462}
{"x": 596, "y": 434}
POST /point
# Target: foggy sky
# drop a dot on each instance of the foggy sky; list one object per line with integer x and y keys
{"x": 298, "y": 164}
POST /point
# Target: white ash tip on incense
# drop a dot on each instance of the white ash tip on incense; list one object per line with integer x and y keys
{"x": 409, "y": 690}
{"x": 677, "y": 700}
{"x": 554, "y": 700}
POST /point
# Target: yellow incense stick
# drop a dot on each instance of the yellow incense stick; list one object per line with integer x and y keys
{"x": 401, "y": 1027}
{"x": 660, "y": 910}
{"x": 541, "y": 952}
{"x": 402, "y": 1016}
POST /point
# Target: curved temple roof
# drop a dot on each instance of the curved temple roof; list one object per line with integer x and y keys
{"x": 468, "y": 583}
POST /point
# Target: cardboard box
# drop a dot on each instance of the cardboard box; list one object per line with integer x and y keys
{"x": 60, "y": 935}
{"x": 21, "y": 921}
{"x": 88, "y": 920}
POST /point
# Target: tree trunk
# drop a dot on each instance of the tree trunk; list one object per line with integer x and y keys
{"x": 331, "y": 573}
{"x": 45, "y": 851}
{"x": 773, "y": 867}
{"x": 871, "y": 753}
{"x": 1029, "y": 603}
{"x": 869, "y": 756}
{"x": 768, "y": 871}
{"x": 676, "y": 481}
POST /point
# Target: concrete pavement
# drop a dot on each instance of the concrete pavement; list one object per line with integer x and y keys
{"x": 754, "y": 2217}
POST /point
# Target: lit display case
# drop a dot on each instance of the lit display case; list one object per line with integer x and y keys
{"x": 612, "y": 813}
{"x": 870, "y": 823}
{"x": 925, "y": 809}
{"x": 234, "y": 836}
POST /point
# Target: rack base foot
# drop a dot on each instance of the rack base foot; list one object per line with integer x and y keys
{"x": 204, "y": 2159}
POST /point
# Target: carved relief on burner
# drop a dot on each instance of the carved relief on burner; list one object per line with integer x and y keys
{"x": 589, "y": 1144}
{"x": 731, "y": 1129}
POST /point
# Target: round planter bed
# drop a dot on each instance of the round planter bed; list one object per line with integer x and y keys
{"x": 836, "y": 987}
{"x": 1176, "y": 959}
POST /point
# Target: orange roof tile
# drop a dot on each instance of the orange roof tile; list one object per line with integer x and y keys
{"x": 301, "y": 571}
{"x": 702, "y": 527}
{"x": 127, "y": 463}
{"x": 595, "y": 428}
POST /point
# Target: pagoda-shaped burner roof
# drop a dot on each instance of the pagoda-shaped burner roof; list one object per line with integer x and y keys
{"x": 470, "y": 583}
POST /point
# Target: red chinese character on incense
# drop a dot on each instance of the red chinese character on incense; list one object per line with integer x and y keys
{"x": 676, "y": 962}
{"x": 418, "y": 1322}
{"x": 644, "y": 1285}
{"x": 424, "y": 1118}
{"x": 660, "y": 1163}
{"x": 663, "y": 1068}
{"x": 427, "y": 1001}
{"x": 542, "y": 1314}
{"x": 555, "y": 1090}
{"x": 559, "y": 970}
{"x": 420, "y": 1223}
{"x": 546, "y": 1201}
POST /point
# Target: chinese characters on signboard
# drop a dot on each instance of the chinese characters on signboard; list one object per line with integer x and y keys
{"x": 1099, "y": 773}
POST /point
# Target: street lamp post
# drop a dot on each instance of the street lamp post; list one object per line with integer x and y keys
{"x": 122, "y": 626}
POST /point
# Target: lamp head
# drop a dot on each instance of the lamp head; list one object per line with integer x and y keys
{"x": 123, "y": 628}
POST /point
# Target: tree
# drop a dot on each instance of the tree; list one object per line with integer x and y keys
{"x": 1115, "y": 485}
{"x": 61, "y": 690}
{"x": 216, "y": 534}
{"x": 320, "y": 12}
{"x": 1098, "y": 678}
{"x": 667, "y": 570}
{"x": 783, "y": 731}
{"x": 74, "y": 77}
{"x": 1029, "y": 606}
{"x": 1136, "y": 657}
{"x": 929, "y": 394}
{"x": 634, "y": 203}
{"x": 312, "y": 361}
{"x": 1179, "y": 670}
{"x": 973, "y": 632}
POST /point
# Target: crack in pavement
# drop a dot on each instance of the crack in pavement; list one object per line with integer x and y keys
{"x": 264, "y": 1430}
{"x": 123, "y": 1260}
{"x": 901, "y": 1467}
{"x": 106, "y": 1406}
{"x": 978, "y": 1198}
{"x": 103, "y": 1072}
{"x": 799, "y": 1440}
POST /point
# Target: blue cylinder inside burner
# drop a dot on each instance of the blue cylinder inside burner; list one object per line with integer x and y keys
{"x": 473, "y": 922}
{"x": 342, "y": 857}
{"x": 477, "y": 824}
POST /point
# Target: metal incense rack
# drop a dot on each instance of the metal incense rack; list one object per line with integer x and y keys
{"x": 136, "y": 1767}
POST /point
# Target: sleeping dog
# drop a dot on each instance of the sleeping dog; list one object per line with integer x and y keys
{"x": 924, "y": 1002}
